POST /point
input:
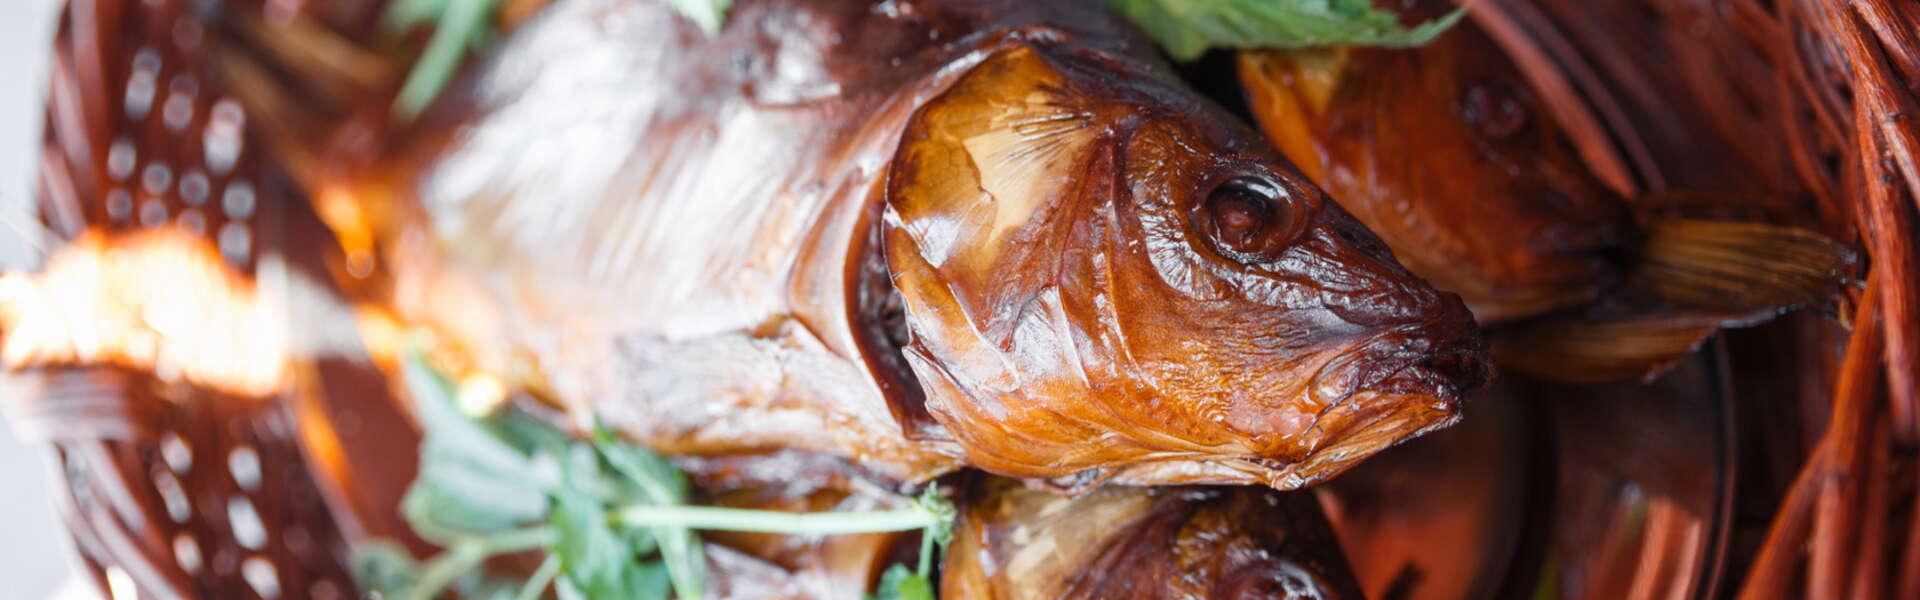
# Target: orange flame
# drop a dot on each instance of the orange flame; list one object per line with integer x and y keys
{"x": 161, "y": 299}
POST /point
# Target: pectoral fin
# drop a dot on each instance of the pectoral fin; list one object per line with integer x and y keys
{"x": 1737, "y": 269}
{"x": 1693, "y": 278}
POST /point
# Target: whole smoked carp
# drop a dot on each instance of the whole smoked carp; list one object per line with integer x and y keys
{"x": 912, "y": 235}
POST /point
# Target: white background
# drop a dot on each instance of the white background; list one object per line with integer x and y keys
{"x": 35, "y": 560}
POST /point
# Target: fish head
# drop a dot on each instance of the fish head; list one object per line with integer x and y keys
{"x": 1107, "y": 278}
{"x": 1447, "y": 153}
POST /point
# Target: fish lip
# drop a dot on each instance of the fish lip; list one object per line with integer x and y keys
{"x": 1377, "y": 421}
{"x": 1450, "y": 374}
{"x": 1446, "y": 366}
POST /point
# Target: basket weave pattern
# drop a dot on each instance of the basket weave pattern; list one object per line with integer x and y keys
{"x": 168, "y": 489}
{"x": 180, "y": 491}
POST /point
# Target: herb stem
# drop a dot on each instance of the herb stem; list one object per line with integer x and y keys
{"x": 767, "y": 521}
{"x": 518, "y": 540}
{"x": 459, "y": 26}
{"x": 541, "y": 578}
{"x": 468, "y": 553}
{"x": 926, "y": 553}
{"x": 444, "y": 568}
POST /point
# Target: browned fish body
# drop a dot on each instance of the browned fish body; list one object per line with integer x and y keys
{"x": 779, "y": 237}
{"x": 1013, "y": 543}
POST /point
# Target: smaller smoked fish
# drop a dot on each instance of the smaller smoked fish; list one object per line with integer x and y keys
{"x": 1449, "y": 156}
{"x": 1015, "y": 543}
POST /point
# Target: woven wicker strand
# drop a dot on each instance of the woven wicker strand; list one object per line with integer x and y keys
{"x": 181, "y": 492}
{"x": 170, "y": 490}
{"x": 1855, "y": 67}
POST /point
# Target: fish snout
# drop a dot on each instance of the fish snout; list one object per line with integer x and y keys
{"x": 1372, "y": 289}
{"x": 1450, "y": 371}
{"x": 1444, "y": 359}
{"x": 1451, "y": 359}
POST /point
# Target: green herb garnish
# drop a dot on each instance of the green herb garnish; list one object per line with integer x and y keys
{"x": 612, "y": 517}
{"x": 899, "y": 583}
{"x": 708, "y": 14}
{"x": 463, "y": 25}
{"x": 1187, "y": 28}
{"x": 458, "y": 26}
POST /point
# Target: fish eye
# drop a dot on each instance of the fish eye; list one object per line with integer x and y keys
{"x": 1244, "y": 217}
{"x": 1238, "y": 213}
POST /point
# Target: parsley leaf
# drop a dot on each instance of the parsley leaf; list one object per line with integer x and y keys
{"x": 591, "y": 554}
{"x": 460, "y": 26}
{"x": 479, "y": 586}
{"x": 935, "y": 537}
{"x": 470, "y": 479}
{"x": 384, "y": 567}
{"x": 901, "y": 583}
{"x": 1187, "y": 28}
{"x": 659, "y": 483}
{"x": 708, "y": 14}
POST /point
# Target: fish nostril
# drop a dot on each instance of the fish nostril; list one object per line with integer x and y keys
{"x": 1361, "y": 239}
{"x": 1495, "y": 110}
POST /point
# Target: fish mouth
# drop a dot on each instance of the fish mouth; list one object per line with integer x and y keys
{"x": 1450, "y": 373}
{"x": 1403, "y": 365}
{"x": 1359, "y": 427}
{"x": 1393, "y": 388}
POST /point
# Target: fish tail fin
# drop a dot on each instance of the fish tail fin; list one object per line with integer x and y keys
{"x": 1741, "y": 270}
{"x": 1693, "y": 277}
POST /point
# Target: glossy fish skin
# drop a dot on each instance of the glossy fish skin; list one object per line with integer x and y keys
{"x": 697, "y": 240}
{"x": 1444, "y": 151}
{"x": 1013, "y": 543}
{"x": 1115, "y": 325}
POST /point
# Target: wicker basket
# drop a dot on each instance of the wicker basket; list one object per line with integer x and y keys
{"x": 1830, "y": 411}
{"x": 176, "y": 490}
{"x": 171, "y": 489}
